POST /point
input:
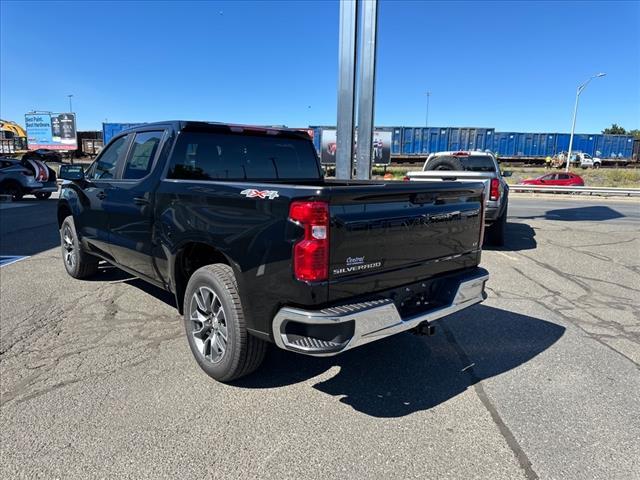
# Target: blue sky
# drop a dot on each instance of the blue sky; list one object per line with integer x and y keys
{"x": 509, "y": 65}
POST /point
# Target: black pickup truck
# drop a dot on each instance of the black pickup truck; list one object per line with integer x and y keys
{"x": 239, "y": 223}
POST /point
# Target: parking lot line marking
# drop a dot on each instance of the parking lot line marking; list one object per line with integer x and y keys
{"x": 9, "y": 259}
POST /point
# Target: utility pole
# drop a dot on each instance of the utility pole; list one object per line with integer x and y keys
{"x": 426, "y": 123}
{"x": 575, "y": 114}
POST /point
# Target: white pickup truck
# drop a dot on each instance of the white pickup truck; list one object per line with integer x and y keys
{"x": 473, "y": 166}
{"x": 586, "y": 161}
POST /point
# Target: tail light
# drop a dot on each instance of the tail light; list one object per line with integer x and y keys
{"x": 311, "y": 254}
{"x": 405, "y": 179}
{"x": 494, "y": 191}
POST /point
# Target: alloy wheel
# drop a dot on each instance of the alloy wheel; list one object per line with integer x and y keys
{"x": 68, "y": 247}
{"x": 208, "y": 324}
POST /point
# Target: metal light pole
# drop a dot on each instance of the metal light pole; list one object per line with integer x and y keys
{"x": 575, "y": 113}
{"x": 426, "y": 123}
{"x": 366, "y": 88}
{"x": 346, "y": 88}
{"x": 70, "y": 106}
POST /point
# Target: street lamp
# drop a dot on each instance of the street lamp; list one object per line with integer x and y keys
{"x": 426, "y": 123}
{"x": 70, "y": 106}
{"x": 575, "y": 112}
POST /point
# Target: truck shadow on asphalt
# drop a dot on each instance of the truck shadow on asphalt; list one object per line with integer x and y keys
{"x": 27, "y": 231}
{"x": 404, "y": 374}
{"x": 518, "y": 236}
{"x": 593, "y": 213}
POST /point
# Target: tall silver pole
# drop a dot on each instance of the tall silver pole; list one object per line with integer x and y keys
{"x": 346, "y": 88}
{"x": 70, "y": 106}
{"x": 575, "y": 112}
{"x": 426, "y": 123}
{"x": 366, "y": 88}
{"x": 573, "y": 129}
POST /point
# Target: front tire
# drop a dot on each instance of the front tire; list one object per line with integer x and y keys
{"x": 77, "y": 263}
{"x": 215, "y": 325}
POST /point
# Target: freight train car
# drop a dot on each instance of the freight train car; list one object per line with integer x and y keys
{"x": 111, "y": 129}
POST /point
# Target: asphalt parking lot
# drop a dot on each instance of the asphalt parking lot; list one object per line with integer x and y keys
{"x": 540, "y": 381}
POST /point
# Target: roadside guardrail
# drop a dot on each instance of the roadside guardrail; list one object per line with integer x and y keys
{"x": 627, "y": 192}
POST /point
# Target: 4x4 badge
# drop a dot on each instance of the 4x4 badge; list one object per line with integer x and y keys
{"x": 252, "y": 193}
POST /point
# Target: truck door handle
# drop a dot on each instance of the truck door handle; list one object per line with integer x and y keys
{"x": 101, "y": 195}
{"x": 140, "y": 201}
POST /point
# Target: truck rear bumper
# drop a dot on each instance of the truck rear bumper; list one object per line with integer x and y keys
{"x": 336, "y": 329}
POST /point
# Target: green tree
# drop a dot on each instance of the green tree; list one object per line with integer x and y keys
{"x": 635, "y": 132}
{"x": 614, "y": 129}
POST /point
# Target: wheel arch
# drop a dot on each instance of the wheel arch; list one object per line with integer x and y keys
{"x": 189, "y": 257}
{"x": 64, "y": 210}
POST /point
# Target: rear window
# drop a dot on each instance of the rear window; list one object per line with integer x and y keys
{"x": 474, "y": 163}
{"x": 217, "y": 156}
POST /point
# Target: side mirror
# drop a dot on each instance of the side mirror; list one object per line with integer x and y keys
{"x": 507, "y": 174}
{"x": 71, "y": 172}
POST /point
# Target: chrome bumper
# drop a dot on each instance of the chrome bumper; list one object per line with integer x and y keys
{"x": 372, "y": 320}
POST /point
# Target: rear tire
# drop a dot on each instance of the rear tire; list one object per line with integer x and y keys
{"x": 77, "y": 263}
{"x": 12, "y": 188}
{"x": 215, "y": 325}
{"x": 42, "y": 195}
{"x": 496, "y": 232}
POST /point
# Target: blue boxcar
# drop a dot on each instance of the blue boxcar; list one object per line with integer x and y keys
{"x": 422, "y": 140}
{"x": 614, "y": 146}
{"x": 111, "y": 129}
{"x": 505, "y": 143}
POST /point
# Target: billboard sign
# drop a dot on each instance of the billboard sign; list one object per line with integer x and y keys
{"x": 381, "y": 147}
{"x": 55, "y": 131}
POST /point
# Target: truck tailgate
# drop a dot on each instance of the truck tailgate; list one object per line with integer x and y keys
{"x": 403, "y": 233}
{"x": 452, "y": 176}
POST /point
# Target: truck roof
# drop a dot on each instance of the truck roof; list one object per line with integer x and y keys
{"x": 230, "y": 127}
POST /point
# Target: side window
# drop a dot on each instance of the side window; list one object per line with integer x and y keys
{"x": 106, "y": 165}
{"x": 143, "y": 151}
{"x": 563, "y": 176}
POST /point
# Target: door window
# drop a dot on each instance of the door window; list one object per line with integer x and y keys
{"x": 106, "y": 165}
{"x": 143, "y": 151}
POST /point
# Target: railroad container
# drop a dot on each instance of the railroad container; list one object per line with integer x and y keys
{"x": 111, "y": 129}
{"x": 423, "y": 141}
{"x": 535, "y": 145}
{"x": 505, "y": 143}
{"x": 86, "y": 135}
{"x": 614, "y": 146}
{"x": 562, "y": 142}
{"x": 437, "y": 140}
{"x": 585, "y": 143}
{"x": 91, "y": 146}
{"x": 478, "y": 139}
{"x": 635, "y": 155}
{"x": 396, "y": 140}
